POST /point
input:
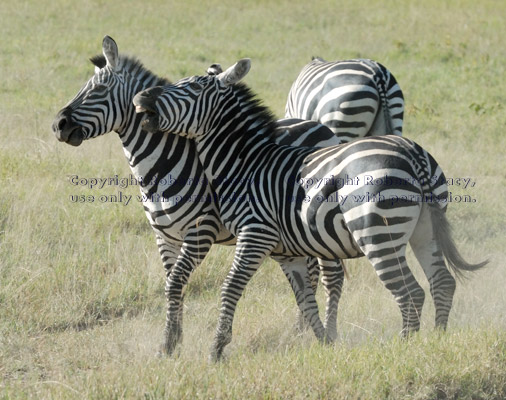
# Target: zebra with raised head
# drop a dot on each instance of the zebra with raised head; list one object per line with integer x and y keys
{"x": 368, "y": 197}
{"x": 178, "y": 201}
{"x": 354, "y": 98}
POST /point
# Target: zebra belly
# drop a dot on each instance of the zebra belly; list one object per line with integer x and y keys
{"x": 321, "y": 233}
{"x": 171, "y": 219}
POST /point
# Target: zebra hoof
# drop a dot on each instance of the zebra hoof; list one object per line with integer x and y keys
{"x": 406, "y": 333}
{"x": 329, "y": 339}
{"x": 173, "y": 336}
{"x": 215, "y": 356}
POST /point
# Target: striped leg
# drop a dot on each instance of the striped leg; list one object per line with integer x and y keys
{"x": 195, "y": 247}
{"x": 314, "y": 274}
{"x": 296, "y": 271}
{"x": 383, "y": 235}
{"x": 430, "y": 257}
{"x": 168, "y": 253}
{"x": 253, "y": 245}
{"x": 395, "y": 274}
{"x": 332, "y": 280}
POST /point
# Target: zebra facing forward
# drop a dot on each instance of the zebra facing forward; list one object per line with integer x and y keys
{"x": 354, "y": 98}
{"x": 177, "y": 198}
{"x": 302, "y": 201}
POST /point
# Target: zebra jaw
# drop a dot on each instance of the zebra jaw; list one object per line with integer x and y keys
{"x": 150, "y": 122}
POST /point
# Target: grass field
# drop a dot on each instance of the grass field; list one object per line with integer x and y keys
{"x": 81, "y": 285}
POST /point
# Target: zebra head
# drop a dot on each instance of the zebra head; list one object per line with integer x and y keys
{"x": 98, "y": 106}
{"x": 181, "y": 108}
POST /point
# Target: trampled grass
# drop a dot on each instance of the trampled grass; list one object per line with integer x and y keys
{"x": 81, "y": 284}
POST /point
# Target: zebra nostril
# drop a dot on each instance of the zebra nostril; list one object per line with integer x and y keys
{"x": 61, "y": 123}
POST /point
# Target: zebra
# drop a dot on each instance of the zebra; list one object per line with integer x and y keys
{"x": 177, "y": 199}
{"x": 312, "y": 202}
{"x": 354, "y": 98}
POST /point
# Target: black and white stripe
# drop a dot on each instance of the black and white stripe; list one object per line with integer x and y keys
{"x": 368, "y": 197}
{"x": 354, "y": 98}
{"x": 178, "y": 201}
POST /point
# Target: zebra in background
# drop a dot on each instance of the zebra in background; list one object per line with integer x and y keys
{"x": 354, "y": 98}
{"x": 178, "y": 201}
{"x": 311, "y": 202}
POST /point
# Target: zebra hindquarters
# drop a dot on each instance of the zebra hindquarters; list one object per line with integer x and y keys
{"x": 385, "y": 123}
{"x": 382, "y": 232}
{"x": 429, "y": 254}
{"x": 349, "y": 111}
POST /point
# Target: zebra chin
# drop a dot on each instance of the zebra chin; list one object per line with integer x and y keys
{"x": 73, "y": 138}
{"x": 150, "y": 123}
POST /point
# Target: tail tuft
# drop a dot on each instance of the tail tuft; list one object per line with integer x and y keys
{"x": 442, "y": 231}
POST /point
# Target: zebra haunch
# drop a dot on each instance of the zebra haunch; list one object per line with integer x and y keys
{"x": 279, "y": 215}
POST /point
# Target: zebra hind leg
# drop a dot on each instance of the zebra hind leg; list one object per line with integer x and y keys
{"x": 430, "y": 256}
{"x": 393, "y": 270}
{"x": 168, "y": 252}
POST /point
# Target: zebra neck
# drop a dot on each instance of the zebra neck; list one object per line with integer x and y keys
{"x": 234, "y": 149}
{"x": 149, "y": 154}
{"x": 132, "y": 121}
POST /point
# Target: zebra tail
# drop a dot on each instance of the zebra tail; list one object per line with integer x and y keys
{"x": 379, "y": 79}
{"x": 443, "y": 234}
{"x": 385, "y": 106}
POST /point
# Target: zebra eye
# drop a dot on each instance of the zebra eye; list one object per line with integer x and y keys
{"x": 100, "y": 87}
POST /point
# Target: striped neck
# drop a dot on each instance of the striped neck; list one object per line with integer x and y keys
{"x": 246, "y": 133}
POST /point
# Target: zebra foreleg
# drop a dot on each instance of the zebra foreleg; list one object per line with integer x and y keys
{"x": 314, "y": 273}
{"x": 252, "y": 247}
{"x": 296, "y": 271}
{"x": 194, "y": 249}
{"x": 332, "y": 280}
{"x": 169, "y": 253}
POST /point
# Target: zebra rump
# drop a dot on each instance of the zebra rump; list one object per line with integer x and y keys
{"x": 354, "y": 98}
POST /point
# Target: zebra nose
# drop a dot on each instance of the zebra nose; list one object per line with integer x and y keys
{"x": 61, "y": 123}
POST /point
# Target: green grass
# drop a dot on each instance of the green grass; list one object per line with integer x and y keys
{"x": 81, "y": 285}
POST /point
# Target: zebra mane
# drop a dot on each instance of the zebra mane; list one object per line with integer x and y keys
{"x": 98, "y": 61}
{"x": 256, "y": 107}
{"x": 130, "y": 64}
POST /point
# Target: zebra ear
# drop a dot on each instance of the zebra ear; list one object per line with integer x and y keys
{"x": 110, "y": 50}
{"x": 236, "y": 72}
